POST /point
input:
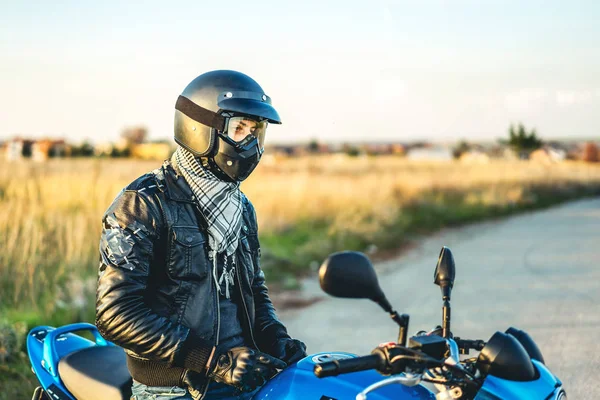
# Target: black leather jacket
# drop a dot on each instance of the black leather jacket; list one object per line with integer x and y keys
{"x": 156, "y": 297}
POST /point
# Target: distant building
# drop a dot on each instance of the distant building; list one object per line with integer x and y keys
{"x": 14, "y": 149}
{"x": 510, "y": 154}
{"x": 335, "y": 148}
{"x": 541, "y": 156}
{"x": 548, "y": 154}
{"x": 18, "y": 148}
{"x": 279, "y": 150}
{"x": 557, "y": 154}
{"x": 474, "y": 157}
{"x": 433, "y": 153}
{"x": 590, "y": 152}
{"x": 376, "y": 148}
{"x": 41, "y": 150}
{"x": 323, "y": 148}
{"x": 300, "y": 151}
{"x": 103, "y": 149}
{"x": 38, "y": 150}
{"x": 398, "y": 149}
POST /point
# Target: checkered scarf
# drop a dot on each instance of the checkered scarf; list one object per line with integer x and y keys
{"x": 220, "y": 203}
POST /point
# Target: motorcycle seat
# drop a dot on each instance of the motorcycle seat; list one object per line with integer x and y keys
{"x": 96, "y": 373}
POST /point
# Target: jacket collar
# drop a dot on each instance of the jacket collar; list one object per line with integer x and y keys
{"x": 177, "y": 187}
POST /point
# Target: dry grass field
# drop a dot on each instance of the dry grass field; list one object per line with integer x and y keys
{"x": 307, "y": 207}
{"x": 50, "y": 212}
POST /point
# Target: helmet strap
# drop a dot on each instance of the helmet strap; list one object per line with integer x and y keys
{"x": 200, "y": 114}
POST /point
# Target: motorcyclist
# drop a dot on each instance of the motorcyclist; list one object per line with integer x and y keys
{"x": 180, "y": 285}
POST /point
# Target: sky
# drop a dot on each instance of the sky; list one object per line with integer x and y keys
{"x": 377, "y": 70}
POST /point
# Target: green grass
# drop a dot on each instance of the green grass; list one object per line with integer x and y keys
{"x": 16, "y": 379}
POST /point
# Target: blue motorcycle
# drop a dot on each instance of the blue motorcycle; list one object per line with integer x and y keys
{"x": 427, "y": 365}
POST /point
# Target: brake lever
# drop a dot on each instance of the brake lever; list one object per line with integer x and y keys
{"x": 406, "y": 379}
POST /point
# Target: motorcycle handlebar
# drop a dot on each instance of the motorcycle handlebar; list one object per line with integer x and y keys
{"x": 347, "y": 365}
{"x": 470, "y": 344}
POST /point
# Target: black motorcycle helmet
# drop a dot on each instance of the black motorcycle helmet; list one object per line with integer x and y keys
{"x": 221, "y": 117}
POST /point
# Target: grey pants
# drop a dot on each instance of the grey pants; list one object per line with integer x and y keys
{"x": 216, "y": 391}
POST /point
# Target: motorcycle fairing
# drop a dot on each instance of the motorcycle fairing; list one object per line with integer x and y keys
{"x": 49, "y": 347}
{"x": 547, "y": 386}
{"x": 299, "y": 382}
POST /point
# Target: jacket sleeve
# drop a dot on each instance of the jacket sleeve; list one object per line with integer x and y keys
{"x": 269, "y": 330}
{"x": 130, "y": 232}
{"x": 267, "y": 327}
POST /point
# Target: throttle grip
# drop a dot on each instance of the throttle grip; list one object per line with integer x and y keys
{"x": 347, "y": 365}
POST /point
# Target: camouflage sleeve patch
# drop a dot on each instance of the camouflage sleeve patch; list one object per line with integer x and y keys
{"x": 121, "y": 246}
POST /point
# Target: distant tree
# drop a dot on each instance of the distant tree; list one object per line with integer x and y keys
{"x": 135, "y": 135}
{"x": 27, "y": 148}
{"x": 85, "y": 149}
{"x": 115, "y": 152}
{"x": 522, "y": 142}
{"x": 460, "y": 148}
{"x": 350, "y": 150}
{"x": 313, "y": 146}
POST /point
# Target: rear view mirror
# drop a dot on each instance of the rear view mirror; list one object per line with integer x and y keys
{"x": 445, "y": 271}
{"x": 350, "y": 274}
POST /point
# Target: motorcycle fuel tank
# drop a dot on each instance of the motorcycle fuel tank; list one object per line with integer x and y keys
{"x": 299, "y": 382}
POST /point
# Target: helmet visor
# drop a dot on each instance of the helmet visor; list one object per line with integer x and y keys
{"x": 242, "y": 129}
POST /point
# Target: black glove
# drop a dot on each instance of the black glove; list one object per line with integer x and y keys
{"x": 289, "y": 350}
{"x": 244, "y": 368}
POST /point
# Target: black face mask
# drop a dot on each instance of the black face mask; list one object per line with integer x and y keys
{"x": 234, "y": 162}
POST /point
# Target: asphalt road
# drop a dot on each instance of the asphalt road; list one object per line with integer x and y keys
{"x": 539, "y": 272}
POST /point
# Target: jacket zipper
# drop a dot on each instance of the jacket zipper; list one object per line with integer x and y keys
{"x": 218, "y": 313}
{"x": 216, "y": 297}
{"x": 244, "y": 304}
{"x": 218, "y": 325}
{"x": 217, "y": 339}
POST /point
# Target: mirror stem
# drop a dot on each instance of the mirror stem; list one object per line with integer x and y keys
{"x": 446, "y": 319}
{"x": 402, "y": 321}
